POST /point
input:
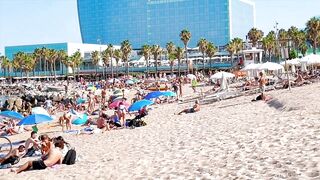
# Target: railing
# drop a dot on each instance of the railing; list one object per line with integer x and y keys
{"x": 183, "y": 68}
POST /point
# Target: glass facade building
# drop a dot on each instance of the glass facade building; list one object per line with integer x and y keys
{"x": 161, "y": 21}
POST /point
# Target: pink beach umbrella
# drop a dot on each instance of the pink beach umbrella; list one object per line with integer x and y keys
{"x": 117, "y": 104}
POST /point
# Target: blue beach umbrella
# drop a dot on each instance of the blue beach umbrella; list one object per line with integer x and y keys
{"x": 139, "y": 105}
{"x": 154, "y": 94}
{"x": 169, "y": 94}
{"x": 82, "y": 119}
{"x": 11, "y": 114}
{"x": 81, "y": 101}
{"x": 35, "y": 119}
{"x": 129, "y": 82}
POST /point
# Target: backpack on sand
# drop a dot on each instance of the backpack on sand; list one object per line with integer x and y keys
{"x": 70, "y": 157}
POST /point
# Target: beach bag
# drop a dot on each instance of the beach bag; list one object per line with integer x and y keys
{"x": 70, "y": 157}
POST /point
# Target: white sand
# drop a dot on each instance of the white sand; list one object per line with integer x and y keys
{"x": 227, "y": 139}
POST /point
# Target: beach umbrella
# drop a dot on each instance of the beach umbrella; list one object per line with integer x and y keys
{"x": 139, "y": 105}
{"x": 117, "y": 104}
{"x": 11, "y": 114}
{"x": 113, "y": 80}
{"x": 163, "y": 80}
{"x": 82, "y": 119}
{"x": 169, "y": 94}
{"x": 271, "y": 66}
{"x": 129, "y": 82}
{"x": 135, "y": 80}
{"x": 303, "y": 66}
{"x": 81, "y": 101}
{"x": 311, "y": 59}
{"x": 39, "y": 110}
{"x": 251, "y": 67}
{"x": 191, "y": 76}
{"x": 35, "y": 119}
{"x": 154, "y": 94}
{"x": 221, "y": 74}
{"x": 295, "y": 61}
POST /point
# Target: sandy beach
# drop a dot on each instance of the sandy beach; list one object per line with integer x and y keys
{"x": 230, "y": 139}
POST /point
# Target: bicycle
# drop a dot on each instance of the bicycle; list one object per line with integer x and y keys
{"x": 5, "y": 146}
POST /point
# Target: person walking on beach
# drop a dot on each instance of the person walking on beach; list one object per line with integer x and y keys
{"x": 262, "y": 85}
{"x": 180, "y": 87}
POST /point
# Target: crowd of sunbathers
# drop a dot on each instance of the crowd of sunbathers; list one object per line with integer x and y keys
{"x": 50, "y": 152}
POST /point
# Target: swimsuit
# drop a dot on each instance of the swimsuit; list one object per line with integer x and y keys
{"x": 38, "y": 165}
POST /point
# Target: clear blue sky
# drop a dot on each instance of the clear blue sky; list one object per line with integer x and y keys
{"x": 47, "y": 21}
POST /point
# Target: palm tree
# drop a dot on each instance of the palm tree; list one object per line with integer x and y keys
{"x": 18, "y": 61}
{"x": 203, "y": 46}
{"x": 38, "y": 55}
{"x": 62, "y": 55}
{"x": 185, "y": 37}
{"x": 211, "y": 50}
{"x": 117, "y": 56}
{"x": 126, "y": 51}
{"x": 45, "y": 55}
{"x": 77, "y": 61}
{"x": 269, "y": 43}
{"x": 300, "y": 39}
{"x": 95, "y": 57}
{"x": 179, "y": 55}
{"x": 156, "y": 52}
{"x": 283, "y": 39}
{"x": 146, "y": 51}
{"x": 29, "y": 62}
{"x": 303, "y": 49}
{"x": 67, "y": 62}
{"x": 231, "y": 48}
{"x": 105, "y": 58}
{"x": 293, "y": 35}
{"x": 239, "y": 45}
{"x": 171, "y": 48}
{"x": 5, "y": 64}
{"x": 313, "y": 32}
{"x": 52, "y": 58}
{"x": 255, "y": 35}
{"x": 110, "y": 51}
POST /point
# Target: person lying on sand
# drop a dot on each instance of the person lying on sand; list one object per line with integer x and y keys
{"x": 14, "y": 156}
{"x": 54, "y": 157}
{"x": 195, "y": 108}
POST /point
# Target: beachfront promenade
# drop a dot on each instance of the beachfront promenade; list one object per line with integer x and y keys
{"x": 122, "y": 69}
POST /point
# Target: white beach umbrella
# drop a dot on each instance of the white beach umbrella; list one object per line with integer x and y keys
{"x": 113, "y": 80}
{"x": 295, "y": 61}
{"x": 251, "y": 67}
{"x": 39, "y": 110}
{"x": 311, "y": 59}
{"x": 191, "y": 76}
{"x": 271, "y": 66}
{"x": 221, "y": 74}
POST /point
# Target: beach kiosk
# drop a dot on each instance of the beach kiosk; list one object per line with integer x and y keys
{"x": 252, "y": 56}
